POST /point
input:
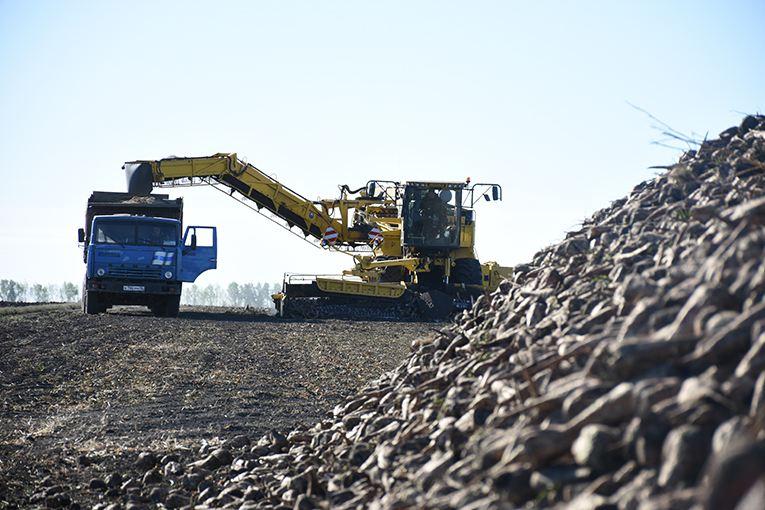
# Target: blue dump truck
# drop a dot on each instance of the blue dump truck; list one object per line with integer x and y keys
{"x": 135, "y": 254}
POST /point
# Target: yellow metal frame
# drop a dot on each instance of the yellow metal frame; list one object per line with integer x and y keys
{"x": 312, "y": 217}
{"x": 361, "y": 288}
{"x": 493, "y": 274}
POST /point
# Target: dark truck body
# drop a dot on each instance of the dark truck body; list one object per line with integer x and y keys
{"x": 135, "y": 254}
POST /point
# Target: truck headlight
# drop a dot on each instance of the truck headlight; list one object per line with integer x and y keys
{"x": 101, "y": 271}
{"x": 168, "y": 274}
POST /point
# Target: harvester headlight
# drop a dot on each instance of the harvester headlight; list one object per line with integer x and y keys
{"x": 101, "y": 271}
{"x": 168, "y": 274}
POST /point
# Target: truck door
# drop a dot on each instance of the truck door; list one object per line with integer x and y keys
{"x": 200, "y": 252}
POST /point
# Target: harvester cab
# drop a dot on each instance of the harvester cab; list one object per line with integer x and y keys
{"x": 438, "y": 226}
{"x": 431, "y": 215}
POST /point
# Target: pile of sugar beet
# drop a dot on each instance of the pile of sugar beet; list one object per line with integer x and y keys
{"x": 623, "y": 368}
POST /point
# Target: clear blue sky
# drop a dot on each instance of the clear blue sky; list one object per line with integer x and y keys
{"x": 532, "y": 95}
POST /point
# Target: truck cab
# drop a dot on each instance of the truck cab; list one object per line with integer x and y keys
{"x": 137, "y": 259}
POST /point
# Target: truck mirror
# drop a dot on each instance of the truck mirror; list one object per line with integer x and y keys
{"x": 495, "y": 192}
{"x": 81, "y": 235}
{"x": 193, "y": 241}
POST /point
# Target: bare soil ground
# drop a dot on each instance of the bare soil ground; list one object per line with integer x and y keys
{"x": 83, "y": 395}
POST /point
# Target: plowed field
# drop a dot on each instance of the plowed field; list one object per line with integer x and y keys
{"x": 83, "y": 395}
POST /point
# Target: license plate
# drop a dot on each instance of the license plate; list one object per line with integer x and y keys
{"x": 134, "y": 288}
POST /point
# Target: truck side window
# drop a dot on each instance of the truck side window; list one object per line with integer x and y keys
{"x": 204, "y": 237}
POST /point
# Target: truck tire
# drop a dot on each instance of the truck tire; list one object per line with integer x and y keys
{"x": 467, "y": 271}
{"x": 167, "y": 306}
{"x": 173, "y": 306}
{"x": 159, "y": 307}
{"x": 90, "y": 303}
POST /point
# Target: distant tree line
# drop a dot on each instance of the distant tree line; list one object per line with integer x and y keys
{"x": 250, "y": 294}
{"x": 18, "y": 292}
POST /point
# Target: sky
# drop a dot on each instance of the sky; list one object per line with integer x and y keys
{"x": 564, "y": 104}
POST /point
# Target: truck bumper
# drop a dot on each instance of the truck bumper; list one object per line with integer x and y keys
{"x": 133, "y": 293}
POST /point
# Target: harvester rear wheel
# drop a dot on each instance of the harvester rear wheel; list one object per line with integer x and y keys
{"x": 467, "y": 271}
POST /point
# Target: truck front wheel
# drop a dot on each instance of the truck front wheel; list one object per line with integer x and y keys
{"x": 173, "y": 306}
{"x": 167, "y": 307}
{"x": 90, "y": 302}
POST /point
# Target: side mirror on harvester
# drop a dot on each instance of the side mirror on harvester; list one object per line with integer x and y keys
{"x": 81, "y": 235}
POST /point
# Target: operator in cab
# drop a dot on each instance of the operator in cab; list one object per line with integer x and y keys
{"x": 434, "y": 215}
{"x": 160, "y": 236}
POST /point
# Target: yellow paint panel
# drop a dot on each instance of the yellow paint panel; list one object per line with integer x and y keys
{"x": 357, "y": 288}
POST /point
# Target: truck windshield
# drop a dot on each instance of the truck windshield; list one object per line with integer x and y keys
{"x": 126, "y": 232}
